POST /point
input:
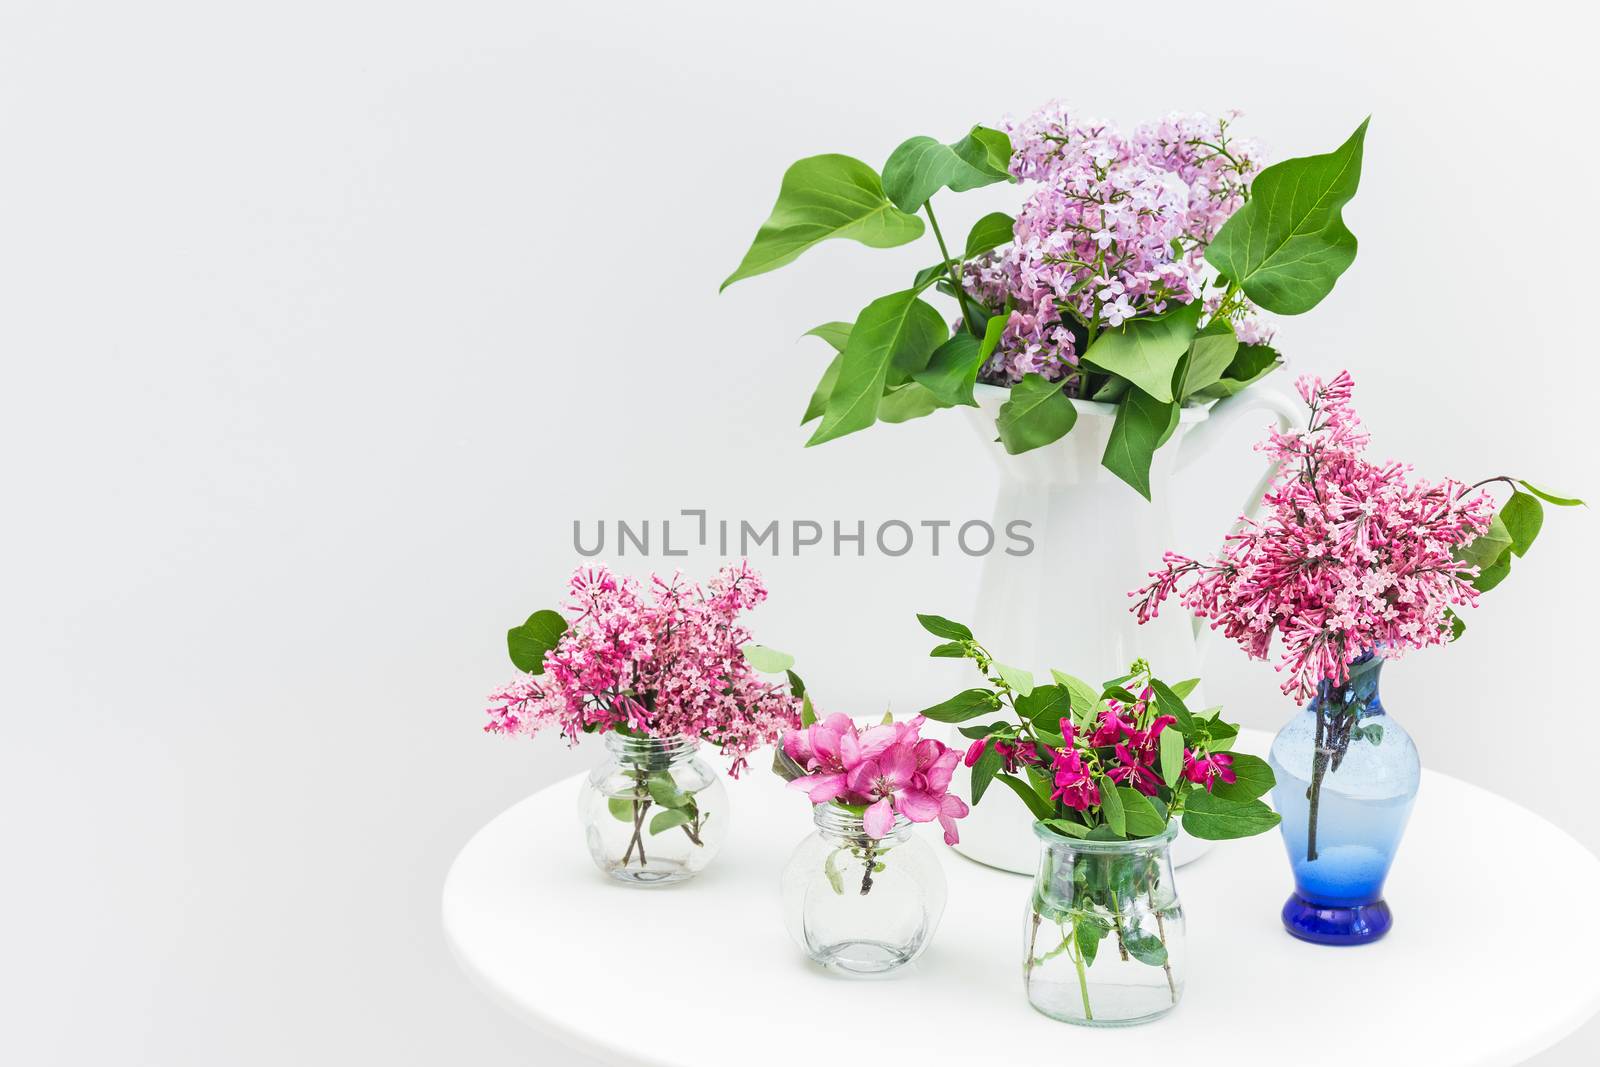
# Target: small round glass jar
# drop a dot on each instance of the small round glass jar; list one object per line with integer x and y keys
{"x": 862, "y": 905}
{"x": 1104, "y": 931}
{"x": 654, "y": 813}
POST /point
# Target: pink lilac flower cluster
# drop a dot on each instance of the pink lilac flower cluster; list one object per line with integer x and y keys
{"x": 1116, "y": 227}
{"x": 887, "y": 769}
{"x": 666, "y": 665}
{"x": 1350, "y": 557}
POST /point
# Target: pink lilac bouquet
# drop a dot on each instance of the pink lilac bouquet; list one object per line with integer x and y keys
{"x": 1134, "y": 273}
{"x": 1351, "y": 557}
{"x": 884, "y": 771}
{"x": 673, "y": 663}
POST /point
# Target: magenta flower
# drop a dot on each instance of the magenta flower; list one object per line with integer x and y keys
{"x": 1349, "y": 556}
{"x": 887, "y": 769}
{"x": 1208, "y": 769}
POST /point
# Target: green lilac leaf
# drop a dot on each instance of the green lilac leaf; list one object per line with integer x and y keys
{"x": 1146, "y": 350}
{"x": 905, "y": 402}
{"x": 664, "y": 791}
{"x": 1288, "y": 245}
{"x": 835, "y": 876}
{"x": 529, "y": 643}
{"x": 621, "y": 810}
{"x": 767, "y": 660}
{"x": 835, "y": 333}
{"x": 1549, "y": 498}
{"x": 1209, "y": 356}
{"x": 897, "y": 332}
{"x": 921, "y": 166}
{"x": 1492, "y": 576}
{"x": 1523, "y": 516}
{"x": 1142, "y": 425}
{"x": 819, "y": 396}
{"x": 1489, "y": 548}
{"x": 939, "y": 626}
{"x": 965, "y": 705}
{"x": 666, "y": 820}
{"x": 989, "y": 233}
{"x": 952, "y": 370}
{"x": 1036, "y": 414}
{"x": 1250, "y": 364}
{"x": 823, "y": 197}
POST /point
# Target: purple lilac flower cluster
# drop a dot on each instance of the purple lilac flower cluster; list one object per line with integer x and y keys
{"x": 1116, "y": 227}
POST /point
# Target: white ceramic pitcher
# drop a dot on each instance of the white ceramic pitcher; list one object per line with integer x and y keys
{"x": 1064, "y": 605}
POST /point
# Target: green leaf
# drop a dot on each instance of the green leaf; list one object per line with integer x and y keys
{"x": 939, "y": 626}
{"x": 1250, "y": 364}
{"x": 949, "y": 650}
{"x": 664, "y": 791}
{"x": 1088, "y": 932}
{"x": 1111, "y": 809}
{"x": 666, "y": 820}
{"x": 1213, "y": 818}
{"x": 989, "y": 233}
{"x": 1288, "y": 245}
{"x": 1141, "y": 815}
{"x": 1558, "y": 501}
{"x": 1458, "y": 625}
{"x": 968, "y": 704}
{"x": 1067, "y": 827}
{"x": 1523, "y": 516}
{"x": 808, "y": 713}
{"x": 983, "y": 772}
{"x": 529, "y": 642}
{"x": 797, "y": 688}
{"x": 835, "y": 876}
{"x": 897, "y": 331}
{"x": 1254, "y": 779}
{"x": 922, "y": 166}
{"x": 1084, "y": 696}
{"x": 819, "y": 396}
{"x": 1143, "y": 425}
{"x": 1040, "y": 808}
{"x": 1182, "y": 689}
{"x": 767, "y": 660}
{"x": 1146, "y": 948}
{"x": 1487, "y": 549}
{"x": 1036, "y": 414}
{"x": 1493, "y": 575}
{"x": 1171, "y": 757}
{"x": 1046, "y": 705}
{"x": 824, "y": 197}
{"x": 905, "y": 402}
{"x": 1146, "y": 350}
{"x": 621, "y": 809}
{"x": 1209, "y": 356}
{"x": 952, "y": 370}
{"x": 1017, "y": 678}
{"x": 994, "y": 146}
{"x": 835, "y": 333}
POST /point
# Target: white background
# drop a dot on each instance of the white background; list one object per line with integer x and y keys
{"x": 322, "y": 322}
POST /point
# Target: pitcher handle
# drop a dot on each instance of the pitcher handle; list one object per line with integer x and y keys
{"x": 1224, "y": 414}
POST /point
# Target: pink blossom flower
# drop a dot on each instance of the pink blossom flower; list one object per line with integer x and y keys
{"x": 887, "y": 769}
{"x": 1349, "y": 556}
{"x": 666, "y": 665}
{"x": 1209, "y": 768}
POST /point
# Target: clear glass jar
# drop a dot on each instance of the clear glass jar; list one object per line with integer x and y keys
{"x": 858, "y": 904}
{"x": 1104, "y": 931}
{"x": 654, "y": 812}
{"x": 1347, "y": 774}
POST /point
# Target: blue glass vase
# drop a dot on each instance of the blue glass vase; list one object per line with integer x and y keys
{"x": 1347, "y": 776}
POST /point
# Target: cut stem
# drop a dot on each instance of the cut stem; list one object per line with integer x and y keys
{"x": 955, "y": 280}
{"x": 1075, "y": 950}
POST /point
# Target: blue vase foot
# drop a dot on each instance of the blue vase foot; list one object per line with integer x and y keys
{"x": 1325, "y": 924}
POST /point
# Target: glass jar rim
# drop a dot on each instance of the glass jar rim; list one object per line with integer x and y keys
{"x": 832, "y": 818}
{"x": 1083, "y": 844}
{"x": 676, "y": 746}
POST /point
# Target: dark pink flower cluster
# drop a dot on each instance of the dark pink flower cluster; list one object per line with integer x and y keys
{"x": 669, "y": 665}
{"x": 1349, "y": 557}
{"x": 887, "y": 769}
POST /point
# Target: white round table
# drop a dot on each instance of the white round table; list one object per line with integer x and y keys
{"x": 1494, "y": 955}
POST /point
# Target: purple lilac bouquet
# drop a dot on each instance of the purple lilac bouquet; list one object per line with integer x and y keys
{"x": 1134, "y": 273}
{"x": 675, "y": 663}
